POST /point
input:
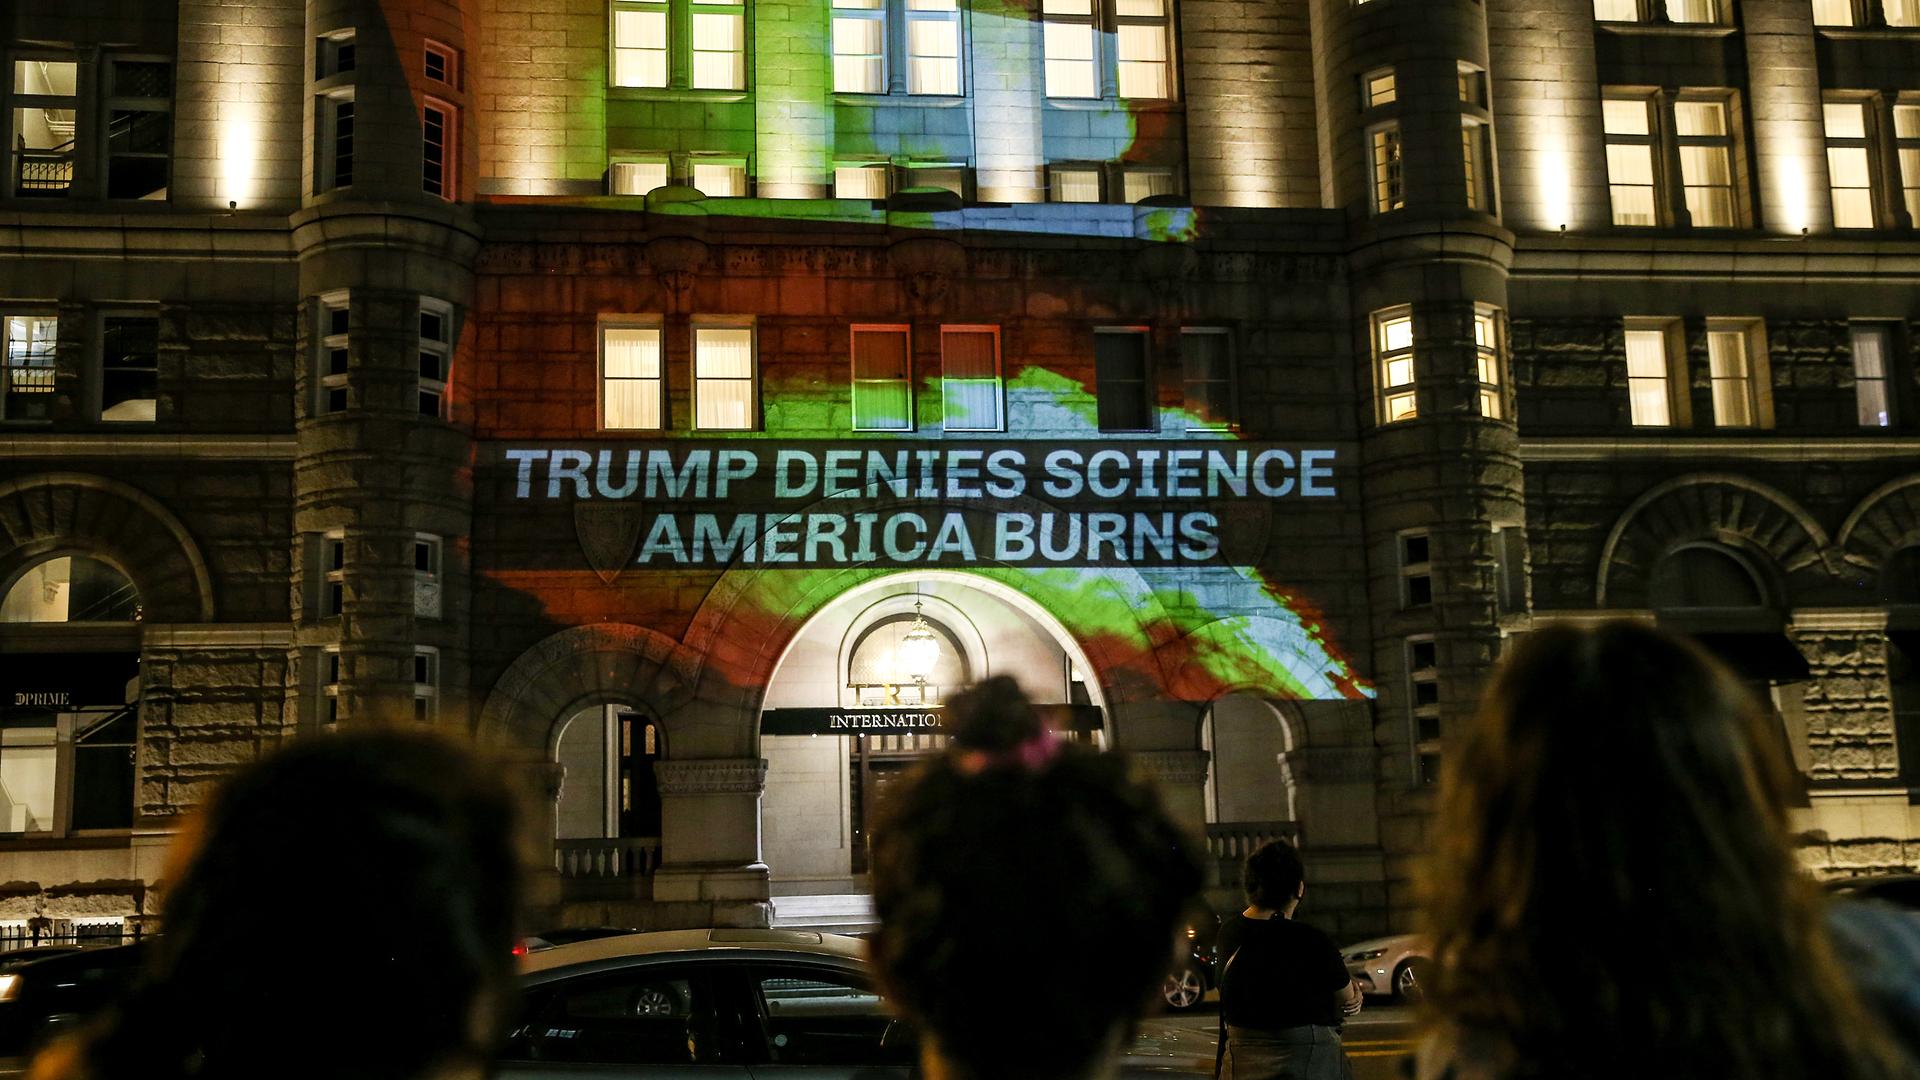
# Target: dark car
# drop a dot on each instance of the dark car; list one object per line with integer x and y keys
{"x": 567, "y": 935}
{"x": 1193, "y": 973}
{"x": 1900, "y": 890}
{"x": 45, "y": 995}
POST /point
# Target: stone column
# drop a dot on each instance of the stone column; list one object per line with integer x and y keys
{"x": 1250, "y": 104}
{"x": 1849, "y": 703}
{"x": 1008, "y": 76}
{"x": 1789, "y": 130}
{"x": 793, "y": 100}
{"x": 710, "y": 832}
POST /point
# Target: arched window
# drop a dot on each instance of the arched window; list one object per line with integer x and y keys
{"x": 877, "y": 673}
{"x": 1900, "y": 577}
{"x": 1704, "y": 576}
{"x": 70, "y": 588}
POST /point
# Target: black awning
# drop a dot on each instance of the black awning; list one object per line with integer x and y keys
{"x": 66, "y": 680}
{"x": 1758, "y": 657}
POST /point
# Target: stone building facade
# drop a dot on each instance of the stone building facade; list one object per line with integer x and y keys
{"x": 1239, "y": 376}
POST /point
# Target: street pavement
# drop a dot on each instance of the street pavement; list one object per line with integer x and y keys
{"x": 1377, "y": 1042}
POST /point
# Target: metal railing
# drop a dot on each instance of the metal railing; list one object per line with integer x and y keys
{"x": 43, "y": 172}
{"x": 612, "y": 859}
{"x": 1232, "y": 841}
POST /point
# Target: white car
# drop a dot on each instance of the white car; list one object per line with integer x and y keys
{"x": 1389, "y": 965}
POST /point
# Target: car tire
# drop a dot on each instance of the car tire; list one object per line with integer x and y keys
{"x": 1409, "y": 980}
{"x": 1183, "y": 988}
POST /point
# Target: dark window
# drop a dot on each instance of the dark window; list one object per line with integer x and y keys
{"x": 823, "y": 1017}
{"x": 129, "y": 368}
{"x": 1207, "y": 373}
{"x": 139, "y": 129}
{"x": 1703, "y": 577}
{"x": 1429, "y": 725}
{"x": 1422, "y": 655}
{"x": 437, "y": 65}
{"x": 1120, "y": 380}
{"x": 103, "y": 770}
{"x": 437, "y": 133}
{"x": 648, "y": 1015}
{"x": 342, "y": 143}
{"x": 1900, "y": 577}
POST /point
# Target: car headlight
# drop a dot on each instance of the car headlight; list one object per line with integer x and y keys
{"x": 1363, "y": 957}
{"x": 9, "y": 987}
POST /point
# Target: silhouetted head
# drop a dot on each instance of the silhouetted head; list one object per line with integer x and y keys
{"x": 1018, "y": 858}
{"x": 1613, "y": 876}
{"x": 1272, "y": 875}
{"x": 345, "y": 907}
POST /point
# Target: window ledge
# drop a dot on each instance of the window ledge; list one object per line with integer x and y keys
{"x": 1699, "y": 30}
{"x": 676, "y": 93}
{"x": 90, "y": 840}
{"x": 1137, "y": 105}
{"x": 919, "y": 101}
{"x": 1869, "y": 33}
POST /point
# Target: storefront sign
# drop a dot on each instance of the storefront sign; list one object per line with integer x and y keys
{"x": 896, "y": 721}
{"x": 828, "y": 504}
{"x": 65, "y": 680}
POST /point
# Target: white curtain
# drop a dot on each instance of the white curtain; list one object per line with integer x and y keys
{"x": 970, "y": 371}
{"x": 723, "y": 377}
{"x": 880, "y": 389}
{"x": 631, "y": 384}
{"x": 1647, "y": 378}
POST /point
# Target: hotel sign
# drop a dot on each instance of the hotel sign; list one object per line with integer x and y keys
{"x": 915, "y": 503}
{"x": 926, "y": 720}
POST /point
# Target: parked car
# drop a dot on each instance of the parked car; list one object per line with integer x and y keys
{"x": 567, "y": 935}
{"x": 710, "y": 1003}
{"x": 1900, "y": 890}
{"x": 1196, "y": 967}
{"x": 44, "y": 995}
{"x": 1389, "y": 966}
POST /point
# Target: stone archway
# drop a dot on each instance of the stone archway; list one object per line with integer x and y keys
{"x": 576, "y": 669}
{"x": 1884, "y": 522}
{"x": 48, "y": 514}
{"x": 1782, "y": 541}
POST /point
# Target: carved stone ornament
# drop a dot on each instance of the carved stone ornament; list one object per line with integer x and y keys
{"x": 607, "y": 534}
{"x": 711, "y": 776}
{"x": 676, "y": 261}
{"x": 928, "y": 266}
{"x": 1172, "y": 766}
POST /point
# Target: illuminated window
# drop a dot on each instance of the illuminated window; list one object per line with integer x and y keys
{"x": 861, "y": 180}
{"x": 426, "y": 684}
{"x": 1630, "y": 165}
{"x": 1473, "y": 86}
{"x": 640, "y": 43}
{"x": 946, "y": 176}
{"x": 426, "y": 576}
{"x": 1734, "y": 359}
{"x": 719, "y": 47}
{"x": 1123, "y": 392}
{"x": 882, "y": 382}
{"x": 1206, "y": 377}
{"x": 1616, "y": 10}
{"x": 1906, "y": 133}
{"x": 26, "y": 392}
{"x": 1849, "y": 164}
{"x": 1423, "y": 706}
{"x": 720, "y": 178}
{"x": 139, "y": 128}
{"x": 1477, "y": 156}
{"x": 970, "y": 378}
{"x": 45, "y": 111}
{"x": 331, "y": 357}
{"x": 1393, "y": 364}
{"x": 631, "y": 397}
{"x": 1649, "y": 376}
{"x": 1489, "y": 361}
{"x": 440, "y": 126}
{"x": 637, "y": 176}
{"x": 1378, "y": 88}
{"x": 1834, "y": 13}
{"x": 1389, "y": 186}
{"x": 441, "y": 64}
{"x": 129, "y": 368}
{"x": 1074, "y": 183}
{"x": 1415, "y": 551}
{"x": 69, "y": 589}
{"x": 436, "y": 356}
{"x": 1706, "y": 161}
{"x": 859, "y": 46}
{"x": 1902, "y": 13}
{"x": 933, "y": 47}
{"x": 1068, "y": 35}
{"x": 1145, "y": 183}
{"x": 1140, "y": 48}
{"x": 1693, "y": 11}
{"x": 723, "y": 377}
{"x": 1872, "y": 383}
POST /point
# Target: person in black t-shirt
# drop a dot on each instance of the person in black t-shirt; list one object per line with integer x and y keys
{"x": 1283, "y": 988}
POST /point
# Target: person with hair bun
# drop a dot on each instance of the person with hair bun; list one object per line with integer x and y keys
{"x": 1017, "y": 855}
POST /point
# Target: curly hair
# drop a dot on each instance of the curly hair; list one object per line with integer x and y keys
{"x": 349, "y": 879}
{"x": 1613, "y": 885}
{"x": 1013, "y": 852}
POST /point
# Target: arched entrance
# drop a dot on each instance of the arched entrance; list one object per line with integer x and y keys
{"x": 824, "y": 787}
